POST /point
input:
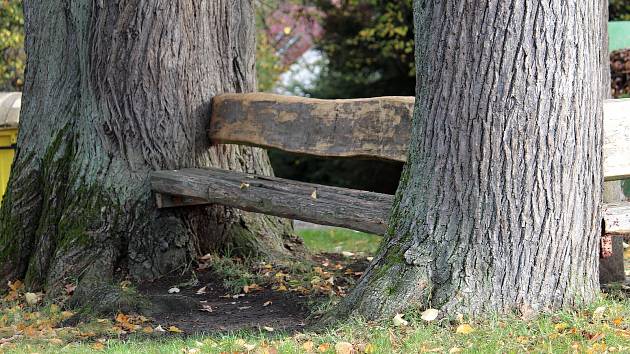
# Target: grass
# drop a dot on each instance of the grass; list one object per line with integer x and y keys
{"x": 338, "y": 240}
{"x": 601, "y": 327}
{"x": 581, "y": 331}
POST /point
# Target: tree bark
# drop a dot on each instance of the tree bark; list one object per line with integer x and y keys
{"x": 499, "y": 205}
{"x": 114, "y": 90}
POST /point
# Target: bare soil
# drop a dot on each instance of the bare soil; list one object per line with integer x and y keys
{"x": 185, "y": 310}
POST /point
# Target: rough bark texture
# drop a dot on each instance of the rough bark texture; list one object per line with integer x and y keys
{"x": 114, "y": 90}
{"x": 324, "y": 205}
{"x": 499, "y": 204}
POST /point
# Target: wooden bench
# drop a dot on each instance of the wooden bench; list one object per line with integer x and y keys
{"x": 377, "y": 128}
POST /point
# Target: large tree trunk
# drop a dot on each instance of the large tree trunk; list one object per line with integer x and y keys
{"x": 499, "y": 204}
{"x": 114, "y": 90}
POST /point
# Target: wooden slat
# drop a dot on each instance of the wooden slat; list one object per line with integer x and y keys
{"x": 617, "y": 139}
{"x": 357, "y": 210}
{"x": 373, "y": 127}
{"x": 617, "y": 219}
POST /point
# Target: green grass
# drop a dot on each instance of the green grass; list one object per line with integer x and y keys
{"x": 338, "y": 240}
{"x": 579, "y": 331}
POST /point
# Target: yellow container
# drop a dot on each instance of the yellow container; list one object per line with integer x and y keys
{"x": 10, "y": 104}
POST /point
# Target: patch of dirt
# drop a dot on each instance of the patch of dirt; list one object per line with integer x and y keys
{"x": 255, "y": 310}
{"x": 286, "y": 311}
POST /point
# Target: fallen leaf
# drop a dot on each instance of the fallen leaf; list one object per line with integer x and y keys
{"x": 267, "y": 303}
{"x": 159, "y": 329}
{"x": 173, "y": 290}
{"x": 430, "y": 315}
{"x": 455, "y": 350}
{"x": 201, "y": 291}
{"x": 598, "y": 314}
{"x": 16, "y": 285}
{"x": 56, "y": 341}
{"x": 31, "y": 298}
{"x": 399, "y": 321}
{"x": 314, "y": 194}
{"x": 347, "y": 254}
{"x": 244, "y": 308}
{"x": 344, "y": 348}
{"x": 66, "y": 314}
{"x": 268, "y": 329}
{"x": 618, "y": 321}
{"x": 147, "y": 330}
{"x": 464, "y": 329}
{"x": 249, "y": 347}
{"x": 174, "y": 329}
{"x": 369, "y": 349}
{"x": 308, "y": 346}
{"x": 370, "y": 259}
{"x": 206, "y": 308}
{"x": 98, "y": 346}
{"x": 323, "y": 347}
{"x": 206, "y": 257}
{"x": 244, "y": 185}
{"x": 561, "y": 326}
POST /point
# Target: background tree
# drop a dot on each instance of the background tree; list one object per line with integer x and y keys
{"x": 112, "y": 92}
{"x": 498, "y": 207}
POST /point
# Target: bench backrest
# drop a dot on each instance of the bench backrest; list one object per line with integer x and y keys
{"x": 377, "y": 128}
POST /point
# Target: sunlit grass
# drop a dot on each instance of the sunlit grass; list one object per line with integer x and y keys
{"x": 579, "y": 331}
{"x": 336, "y": 240}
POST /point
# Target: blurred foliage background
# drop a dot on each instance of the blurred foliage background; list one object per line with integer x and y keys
{"x": 12, "y": 56}
{"x": 619, "y": 10}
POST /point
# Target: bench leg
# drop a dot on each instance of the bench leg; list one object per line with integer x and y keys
{"x": 611, "y": 268}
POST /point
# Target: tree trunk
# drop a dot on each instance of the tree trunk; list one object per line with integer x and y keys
{"x": 499, "y": 205}
{"x": 114, "y": 90}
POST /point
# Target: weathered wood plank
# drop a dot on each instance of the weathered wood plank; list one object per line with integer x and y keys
{"x": 372, "y": 127}
{"x": 617, "y": 219}
{"x": 617, "y": 139}
{"x": 357, "y": 210}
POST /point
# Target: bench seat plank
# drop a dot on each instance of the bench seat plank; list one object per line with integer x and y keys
{"x": 617, "y": 219}
{"x": 353, "y": 209}
{"x": 377, "y": 128}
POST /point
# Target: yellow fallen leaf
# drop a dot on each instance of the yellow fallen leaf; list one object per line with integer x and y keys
{"x": 66, "y": 314}
{"x": 98, "y": 346}
{"x": 174, "y": 329}
{"x": 16, "y": 285}
{"x": 464, "y": 329}
{"x": 147, "y": 329}
{"x": 287, "y": 30}
{"x": 399, "y": 321}
{"x": 344, "y": 348}
{"x": 618, "y": 321}
{"x": 369, "y": 349}
{"x": 561, "y": 326}
{"x": 430, "y": 315}
{"x": 308, "y": 346}
{"x": 455, "y": 350}
{"x": 322, "y": 348}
